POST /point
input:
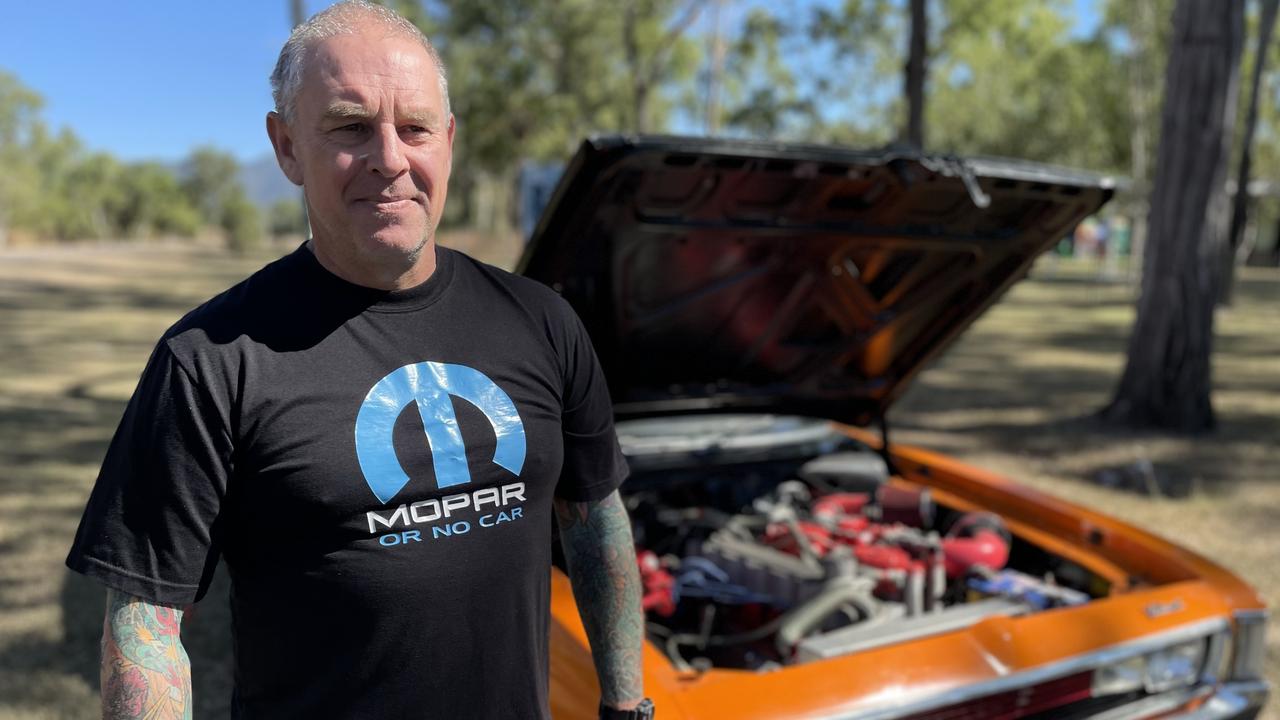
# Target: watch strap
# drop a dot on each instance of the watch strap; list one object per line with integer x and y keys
{"x": 643, "y": 711}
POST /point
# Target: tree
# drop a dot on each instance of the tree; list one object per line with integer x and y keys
{"x": 210, "y": 178}
{"x": 914, "y": 73}
{"x": 1146, "y": 43}
{"x": 529, "y": 79}
{"x": 1008, "y": 78}
{"x": 211, "y": 181}
{"x": 19, "y": 114}
{"x": 859, "y": 42}
{"x": 762, "y": 96}
{"x": 1004, "y": 77}
{"x": 1240, "y": 206}
{"x": 649, "y": 50}
{"x": 242, "y": 223}
{"x": 285, "y": 217}
{"x": 154, "y": 203}
{"x": 1167, "y": 379}
{"x": 714, "y": 75}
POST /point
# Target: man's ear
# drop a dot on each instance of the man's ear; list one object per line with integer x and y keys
{"x": 453, "y": 125}
{"x": 282, "y": 141}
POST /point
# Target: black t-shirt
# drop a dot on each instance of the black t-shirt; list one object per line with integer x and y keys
{"x": 377, "y": 468}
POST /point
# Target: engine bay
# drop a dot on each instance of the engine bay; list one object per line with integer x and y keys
{"x": 765, "y": 549}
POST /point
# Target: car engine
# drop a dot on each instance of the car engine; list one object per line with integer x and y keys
{"x": 776, "y": 562}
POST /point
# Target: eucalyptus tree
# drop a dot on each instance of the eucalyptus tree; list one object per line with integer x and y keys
{"x": 1167, "y": 377}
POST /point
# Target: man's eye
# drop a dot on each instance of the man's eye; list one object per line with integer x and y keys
{"x": 353, "y": 127}
{"x": 415, "y": 129}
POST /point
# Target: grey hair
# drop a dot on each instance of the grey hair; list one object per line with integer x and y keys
{"x": 342, "y": 18}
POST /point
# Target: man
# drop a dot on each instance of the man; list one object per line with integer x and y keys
{"x": 373, "y": 431}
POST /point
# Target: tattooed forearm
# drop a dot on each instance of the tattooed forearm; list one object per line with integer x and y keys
{"x": 606, "y": 584}
{"x": 145, "y": 669}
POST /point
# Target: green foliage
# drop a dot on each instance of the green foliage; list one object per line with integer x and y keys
{"x": 54, "y": 188}
{"x": 19, "y": 117}
{"x": 762, "y": 97}
{"x": 529, "y": 79}
{"x": 1004, "y": 77}
{"x": 1008, "y": 80}
{"x": 155, "y": 204}
{"x": 19, "y": 110}
{"x": 242, "y": 222}
{"x": 286, "y": 217}
{"x": 862, "y": 46}
{"x": 1266, "y": 141}
{"x": 211, "y": 184}
{"x": 525, "y": 78}
{"x": 210, "y": 180}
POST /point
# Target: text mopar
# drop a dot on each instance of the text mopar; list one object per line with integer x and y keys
{"x": 425, "y": 511}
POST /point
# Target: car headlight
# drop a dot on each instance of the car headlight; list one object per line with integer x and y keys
{"x": 1174, "y": 667}
{"x": 1156, "y": 671}
{"x": 1250, "y": 645}
{"x": 1119, "y": 677}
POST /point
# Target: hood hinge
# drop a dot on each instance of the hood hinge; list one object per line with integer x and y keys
{"x": 953, "y": 166}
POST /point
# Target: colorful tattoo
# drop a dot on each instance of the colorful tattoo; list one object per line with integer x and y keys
{"x": 606, "y": 584}
{"x": 145, "y": 670}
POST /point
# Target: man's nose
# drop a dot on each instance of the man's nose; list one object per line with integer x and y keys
{"x": 386, "y": 154}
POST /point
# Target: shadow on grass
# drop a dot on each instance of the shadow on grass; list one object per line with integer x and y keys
{"x": 30, "y": 295}
{"x": 73, "y": 430}
{"x": 1028, "y": 380}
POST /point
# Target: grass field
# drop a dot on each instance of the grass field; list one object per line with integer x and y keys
{"x": 1014, "y": 396}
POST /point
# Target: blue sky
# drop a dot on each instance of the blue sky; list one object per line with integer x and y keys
{"x": 151, "y": 80}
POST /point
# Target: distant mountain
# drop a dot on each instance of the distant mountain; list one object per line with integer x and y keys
{"x": 264, "y": 183}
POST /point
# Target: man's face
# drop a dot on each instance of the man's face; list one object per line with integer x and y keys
{"x": 371, "y": 146}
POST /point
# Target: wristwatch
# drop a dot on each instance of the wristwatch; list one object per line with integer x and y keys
{"x": 643, "y": 711}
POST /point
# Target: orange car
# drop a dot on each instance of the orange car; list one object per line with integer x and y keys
{"x": 756, "y": 307}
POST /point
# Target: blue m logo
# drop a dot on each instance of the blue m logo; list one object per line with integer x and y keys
{"x": 431, "y": 384}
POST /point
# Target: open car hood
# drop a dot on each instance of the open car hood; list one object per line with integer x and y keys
{"x": 722, "y": 275}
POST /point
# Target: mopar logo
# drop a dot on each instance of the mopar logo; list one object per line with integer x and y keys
{"x": 430, "y": 385}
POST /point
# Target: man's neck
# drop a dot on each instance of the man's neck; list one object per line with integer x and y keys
{"x": 401, "y": 276}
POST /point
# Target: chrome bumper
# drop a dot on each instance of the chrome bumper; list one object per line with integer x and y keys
{"x": 1228, "y": 701}
{"x": 1232, "y": 700}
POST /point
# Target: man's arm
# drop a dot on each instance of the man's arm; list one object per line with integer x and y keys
{"x": 606, "y": 585}
{"x": 145, "y": 669}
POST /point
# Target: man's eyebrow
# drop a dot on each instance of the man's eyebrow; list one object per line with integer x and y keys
{"x": 356, "y": 111}
{"x": 346, "y": 111}
{"x": 422, "y": 117}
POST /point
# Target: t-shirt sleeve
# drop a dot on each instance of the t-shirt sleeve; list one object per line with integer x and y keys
{"x": 149, "y": 526}
{"x": 593, "y": 463}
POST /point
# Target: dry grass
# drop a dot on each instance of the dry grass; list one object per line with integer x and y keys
{"x": 76, "y": 324}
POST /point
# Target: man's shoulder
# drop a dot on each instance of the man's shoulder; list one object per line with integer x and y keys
{"x": 532, "y": 295}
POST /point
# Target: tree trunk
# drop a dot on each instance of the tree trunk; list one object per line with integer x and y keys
{"x": 1142, "y": 30}
{"x": 1167, "y": 379}
{"x": 635, "y": 67}
{"x": 715, "y": 72}
{"x": 641, "y": 107}
{"x": 913, "y": 81}
{"x": 646, "y": 67}
{"x": 1240, "y": 208}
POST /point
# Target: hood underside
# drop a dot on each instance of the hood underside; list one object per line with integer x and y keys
{"x": 721, "y": 275}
